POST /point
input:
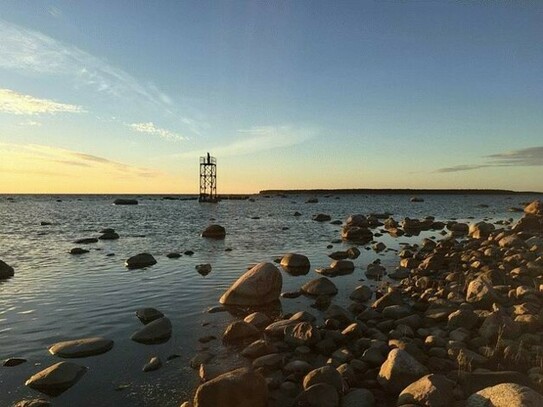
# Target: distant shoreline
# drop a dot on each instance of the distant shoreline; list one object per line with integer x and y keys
{"x": 394, "y": 191}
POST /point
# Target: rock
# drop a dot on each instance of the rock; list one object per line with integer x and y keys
{"x": 321, "y": 217}
{"x": 239, "y": 331}
{"x": 295, "y": 264}
{"x": 258, "y": 348}
{"x": 57, "y": 378}
{"x": 200, "y": 359}
{"x": 353, "y": 252}
{"x": 125, "y": 201}
{"x": 87, "y": 240}
{"x": 140, "y": 261}
{"x": 258, "y": 319}
{"x": 154, "y": 364}
{"x": 325, "y": 374}
{"x": 358, "y": 398}
{"x": 10, "y": 362}
{"x": 203, "y": 269}
{"x": 318, "y": 395}
{"x": 259, "y": 286}
{"x": 481, "y": 230}
{"x": 214, "y": 232}
{"x": 146, "y": 315}
{"x": 319, "y": 286}
{"x": 472, "y": 382}
{"x": 78, "y": 250}
{"x": 342, "y": 267}
{"x": 534, "y": 208}
{"x": 375, "y": 271}
{"x": 278, "y": 328}
{"x": 505, "y": 395}
{"x": 297, "y": 213}
{"x": 481, "y": 293}
{"x": 498, "y": 323}
{"x": 302, "y": 334}
{"x": 238, "y": 388}
{"x": 32, "y": 403}
{"x": 390, "y": 298}
{"x": 356, "y": 234}
{"x": 80, "y": 348}
{"x": 109, "y": 234}
{"x": 157, "y": 331}
{"x": 400, "y": 370}
{"x": 173, "y": 255}
{"x": 6, "y": 271}
{"x": 416, "y": 199}
{"x": 362, "y": 293}
{"x": 357, "y": 220}
{"x": 312, "y": 200}
{"x": 432, "y": 390}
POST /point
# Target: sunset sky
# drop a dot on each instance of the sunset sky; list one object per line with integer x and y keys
{"x": 124, "y": 96}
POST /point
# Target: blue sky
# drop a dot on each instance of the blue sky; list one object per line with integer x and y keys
{"x": 124, "y": 96}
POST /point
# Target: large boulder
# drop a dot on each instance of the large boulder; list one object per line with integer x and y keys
{"x": 140, "y": 261}
{"x": 80, "y": 348}
{"x": 57, "y": 378}
{"x": 6, "y": 271}
{"x": 432, "y": 390}
{"x": 214, "y": 232}
{"x": 238, "y": 388}
{"x": 319, "y": 286}
{"x": 157, "y": 331}
{"x": 400, "y": 370}
{"x": 259, "y": 286}
{"x": 505, "y": 395}
{"x": 325, "y": 374}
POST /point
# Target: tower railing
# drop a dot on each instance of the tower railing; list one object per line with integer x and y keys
{"x": 208, "y": 179}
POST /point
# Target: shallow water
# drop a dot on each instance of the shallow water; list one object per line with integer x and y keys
{"x": 57, "y": 296}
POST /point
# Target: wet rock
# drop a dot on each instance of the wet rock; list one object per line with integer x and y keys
{"x": 295, "y": 264}
{"x": 80, "y": 348}
{"x": 362, "y": 293}
{"x": 188, "y": 252}
{"x": 318, "y": 395}
{"x": 353, "y": 252}
{"x": 302, "y": 334}
{"x": 432, "y": 390}
{"x": 278, "y": 328}
{"x": 13, "y": 362}
{"x": 259, "y": 286}
{"x": 173, "y": 255}
{"x": 87, "y": 240}
{"x": 57, "y": 378}
{"x": 200, "y": 359}
{"x": 214, "y": 232}
{"x": 375, "y": 271}
{"x": 203, "y": 269}
{"x": 481, "y": 230}
{"x": 239, "y": 331}
{"x": 321, "y": 217}
{"x": 505, "y": 395}
{"x": 258, "y": 319}
{"x": 6, "y": 271}
{"x": 125, "y": 201}
{"x": 258, "y": 348}
{"x": 146, "y": 315}
{"x": 78, "y": 250}
{"x": 154, "y": 364}
{"x": 109, "y": 234}
{"x": 357, "y": 234}
{"x": 400, "y": 370}
{"x": 157, "y": 331}
{"x": 238, "y": 388}
{"x": 416, "y": 199}
{"x": 319, "y": 286}
{"x": 140, "y": 261}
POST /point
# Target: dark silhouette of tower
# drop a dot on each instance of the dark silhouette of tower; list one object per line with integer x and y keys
{"x": 208, "y": 179}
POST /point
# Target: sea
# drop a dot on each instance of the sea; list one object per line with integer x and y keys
{"x": 55, "y": 296}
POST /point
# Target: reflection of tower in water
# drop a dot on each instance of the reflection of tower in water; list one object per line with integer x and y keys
{"x": 208, "y": 179}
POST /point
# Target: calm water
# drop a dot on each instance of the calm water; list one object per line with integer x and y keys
{"x": 56, "y": 296}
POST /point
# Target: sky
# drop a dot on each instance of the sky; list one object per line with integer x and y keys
{"x": 124, "y": 96}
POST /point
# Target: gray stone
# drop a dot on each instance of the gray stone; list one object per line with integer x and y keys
{"x": 57, "y": 378}
{"x": 157, "y": 331}
{"x": 80, "y": 348}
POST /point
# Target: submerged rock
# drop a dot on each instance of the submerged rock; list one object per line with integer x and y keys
{"x": 239, "y": 388}
{"x": 140, "y": 261}
{"x": 80, "y": 348}
{"x": 125, "y": 201}
{"x": 78, "y": 250}
{"x": 203, "y": 269}
{"x": 259, "y": 286}
{"x": 87, "y": 240}
{"x": 295, "y": 264}
{"x": 13, "y": 362}
{"x": 146, "y": 315}
{"x": 154, "y": 364}
{"x": 57, "y": 378}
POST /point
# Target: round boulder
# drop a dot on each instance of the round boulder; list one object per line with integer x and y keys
{"x": 259, "y": 286}
{"x": 57, "y": 378}
{"x": 505, "y": 395}
{"x": 157, "y": 331}
{"x": 400, "y": 370}
{"x": 238, "y": 388}
{"x": 319, "y": 286}
{"x": 80, "y": 348}
{"x": 214, "y": 232}
{"x": 140, "y": 261}
{"x": 295, "y": 264}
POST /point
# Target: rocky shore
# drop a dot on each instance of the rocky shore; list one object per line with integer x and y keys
{"x": 461, "y": 326}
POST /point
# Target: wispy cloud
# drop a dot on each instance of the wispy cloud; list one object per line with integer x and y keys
{"x": 30, "y": 123}
{"x": 150, "y": 128}
{"x": 30, "y": 51}
{"x": 532, "y": 156}
{"x": 17, "y": 103}
{"x": 46, "y": 156}
{"x": 258, "y": 138}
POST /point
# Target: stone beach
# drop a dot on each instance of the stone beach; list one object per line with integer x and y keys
{"x": 455, "y": 321}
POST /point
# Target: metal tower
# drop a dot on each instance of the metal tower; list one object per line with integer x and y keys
{"x": 208, "y": 179}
